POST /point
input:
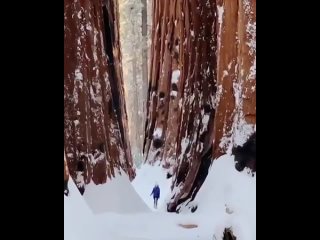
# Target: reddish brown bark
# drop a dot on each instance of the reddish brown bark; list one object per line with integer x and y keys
{"x": 66, "y": 171}
{"x": 212, "y": 44}
{"x": 236, "y": 83}
{"x": 95, "y": 120}
{"x": 184, "y": 41}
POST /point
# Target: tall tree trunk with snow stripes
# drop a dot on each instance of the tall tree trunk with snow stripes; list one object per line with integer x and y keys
{"x": 201, "y": 94}
{"x": 95, "y": 118}
{"x": 181, "y": 91}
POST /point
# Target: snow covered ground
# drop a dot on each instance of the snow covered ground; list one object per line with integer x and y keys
{"x": 147, "y": 177}
{"x": 227, "y": 190}
{"x": 130, "y": 219}
{"x": 116, "y": 196}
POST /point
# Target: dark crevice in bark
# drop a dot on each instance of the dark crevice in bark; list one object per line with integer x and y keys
{"x": 66, "y": 189}
{"x": 95, "y": 132}
{"x": 245, "y": 155}
{"x": 182, "y": 85}
{"x": 199, "y": 180}
{"x": 81, "y": 189}
{"x": 114, "y": 81}
{"x": 228, "y": 234}
{"x": 80, "y": 166}
{"x": 108, "y": 35}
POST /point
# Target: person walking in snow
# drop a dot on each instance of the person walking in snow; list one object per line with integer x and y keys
{"x": 156, "y": 195}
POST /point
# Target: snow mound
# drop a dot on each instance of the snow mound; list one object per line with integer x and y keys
{"x": 226, "y": 199}
{"x": 117, "y": 195}
{"x": 145, "y": 179}
{"x": 78, "y": 217}
{"x": 229, "y": 198}
{"x": 81, "y": 224}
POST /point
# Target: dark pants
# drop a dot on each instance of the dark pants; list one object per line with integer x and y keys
{"x": 155, "y": 202}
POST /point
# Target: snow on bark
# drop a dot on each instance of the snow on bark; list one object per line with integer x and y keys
{"x": 201, "y": 87}
{"x": 95, "y": 119}
{"x": 181, "y": 90}
{"x": 236, "y": 109}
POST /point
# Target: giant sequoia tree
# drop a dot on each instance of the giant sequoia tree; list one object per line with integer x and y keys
{"x": 135, "y": 35}
{"x": 236, "y": 74}
{"x": 95, "y": 119}
{"x": 202, "y": 80}
{"x": 201, "y": 90}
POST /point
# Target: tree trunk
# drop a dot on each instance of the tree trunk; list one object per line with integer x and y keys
{"x": 135, "y": 126}
{"x": 95, "y": 118}
{"x": 236, "y": 98}
{"x": 201, "y": 95}
{"x": 134, "y": 38}
{"x": 66, "y": 176}
{"x": 144, "y": 67}
{"x": 181, "y": 91}
{"x": 66, "y": 171}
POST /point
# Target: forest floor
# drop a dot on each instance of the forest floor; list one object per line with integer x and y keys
{"x": 122, "y": 211}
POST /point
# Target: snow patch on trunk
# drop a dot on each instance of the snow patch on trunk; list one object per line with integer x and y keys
{"x": 157, "y": 133}
{"x": 175, "y": 76}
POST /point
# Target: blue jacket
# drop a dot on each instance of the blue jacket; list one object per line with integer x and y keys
{"x": 156, "y": 192}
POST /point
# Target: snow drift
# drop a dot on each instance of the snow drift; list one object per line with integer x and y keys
{"x": 78, "y": 217}
{"x": 117, "y": 195}
{"x": 81, "y": 224}
{"x": 229, "y": 198}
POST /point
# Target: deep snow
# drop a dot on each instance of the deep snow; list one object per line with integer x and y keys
{"x": 117, "y": 196}
{"x": 224, "y": 187}
{"x": 147, "y": 177}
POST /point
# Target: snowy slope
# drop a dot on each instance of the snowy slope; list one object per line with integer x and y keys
{"x": 152, "y": 226}
{"x": 77, "y": 217}
{"x": 81, "y": 224}
{"x": 224, "y": 187}
{"x": 117, "y": 195}
{"x": 226, "y": 199}
{"x": 145, "y": 180}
